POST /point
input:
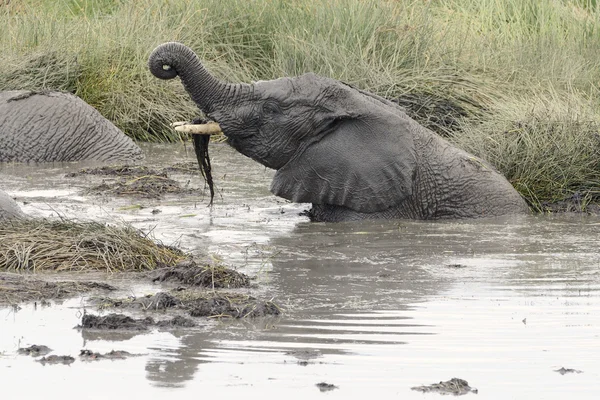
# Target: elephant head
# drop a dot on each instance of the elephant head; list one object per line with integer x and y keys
{"x": 350, "y": 153}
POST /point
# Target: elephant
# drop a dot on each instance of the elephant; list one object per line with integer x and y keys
{"x": 354, "y": 155}
{"x": 58, "y": 126}
{"x": 8, "y": 207}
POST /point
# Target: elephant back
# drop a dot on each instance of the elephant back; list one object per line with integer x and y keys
{"x": 58, "y": 126}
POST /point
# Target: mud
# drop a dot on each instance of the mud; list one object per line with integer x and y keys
{"x": 305, "y": 357}
{"x": 118, "y": 171}
{"x": 113, "y": 322}
{"x": 35, "y": 350}
{"x": 89, "y": 355}
{"x": 326, "y": 387}
{"x": 197, "y": 303}
{"x": 66, "y": 360}
{"x": 138, "y": 180}
{"x": 235, "y": 306}
{"x": 176, "y": 322}
{"x": 17, "y": 289}
{"x": 454, "y": 386}
{"x": 148, "y": 187}
{"x": 214, "y": 276}
{"x": 564, "y": 371}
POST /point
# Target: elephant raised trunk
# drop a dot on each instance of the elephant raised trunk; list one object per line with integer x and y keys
{"x": 173, "y": 59}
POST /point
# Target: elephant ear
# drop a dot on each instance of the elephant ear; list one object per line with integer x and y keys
{"x": 366, "y": 166}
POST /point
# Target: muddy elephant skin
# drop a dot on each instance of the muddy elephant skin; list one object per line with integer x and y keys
{"x": 352, "y": 154}
{"x": 57, "y": 126}
{"x": 8, "y": 208}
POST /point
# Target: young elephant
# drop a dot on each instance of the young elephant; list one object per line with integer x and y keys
{"x": 350, "y": 153}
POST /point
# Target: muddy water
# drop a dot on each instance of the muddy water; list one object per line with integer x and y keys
{"x": 372, "y": 308}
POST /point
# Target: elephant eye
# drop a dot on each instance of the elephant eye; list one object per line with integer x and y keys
{"x": 271, "y": 108}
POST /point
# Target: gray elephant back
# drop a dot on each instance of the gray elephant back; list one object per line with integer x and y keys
{"x": 57, "y": 126}
{"x": 8, "y": 207}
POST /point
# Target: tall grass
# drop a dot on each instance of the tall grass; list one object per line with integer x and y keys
{"x": 514, "y": 81}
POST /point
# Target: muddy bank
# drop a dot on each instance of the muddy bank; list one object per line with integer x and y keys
{"x": 16, "y": 289}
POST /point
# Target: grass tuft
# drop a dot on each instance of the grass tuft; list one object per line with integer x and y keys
{"x": 45, "y": 245}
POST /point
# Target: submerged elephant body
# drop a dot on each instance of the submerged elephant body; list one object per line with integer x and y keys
{"x": 352, "y": 154}
{"x": 57, "y": 126}
{"x": 8, "y": 208}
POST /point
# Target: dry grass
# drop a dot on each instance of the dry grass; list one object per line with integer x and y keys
{"x": 45, "y": 245}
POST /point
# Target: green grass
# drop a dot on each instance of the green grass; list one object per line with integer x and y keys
{"x": 513, "y": 81}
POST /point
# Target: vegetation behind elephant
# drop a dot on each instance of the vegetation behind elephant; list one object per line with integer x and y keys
{"x": 8, "y": 207}
{"x": 352, "y": 154}
{"x": 58, "y": 126}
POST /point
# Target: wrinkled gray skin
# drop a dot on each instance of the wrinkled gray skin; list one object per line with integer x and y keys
{"x": 8, "y": 208}
{"x": 352, "y": 154}
{"x": 57, "y": 126}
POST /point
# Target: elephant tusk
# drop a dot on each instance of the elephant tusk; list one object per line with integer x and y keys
{"x": 210, "y": 128}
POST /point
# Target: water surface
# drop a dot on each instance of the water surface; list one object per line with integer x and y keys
{"x": 374, "y": 308}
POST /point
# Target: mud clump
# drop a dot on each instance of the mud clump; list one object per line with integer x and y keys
{"x": 158, "y": 301}
{"x": 564, "y": 371}
{"x": 208, "y": 276}
{"x": 66, "y": 360}
{"x": 120, "y": 170}
{"x": 326, "y": 387}
{"x": 198, "y": 304}
{"x": 89, "y": 355}
{"x": 35, "y": 350}
{"x": 227, "y": 307}
{"x": 454, "y": 386}
{"x": 305, "y": 357}
{"x": 120, "y": 322}
{"x": 136, "y": 180}
{"x": 176, "y": 322}
{"x": 17, "y": 289}
{"x": 114, "y": 322}
{"x": 150, "y": 186}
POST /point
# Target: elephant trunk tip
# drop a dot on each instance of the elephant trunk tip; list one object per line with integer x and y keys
{"x": 164, "y": 62}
